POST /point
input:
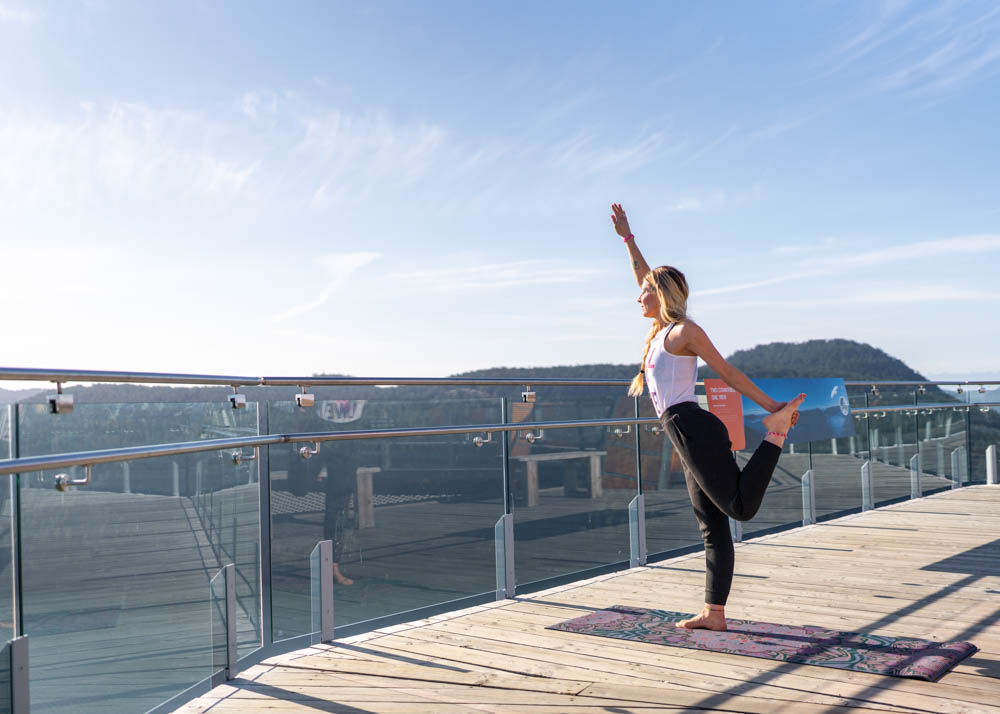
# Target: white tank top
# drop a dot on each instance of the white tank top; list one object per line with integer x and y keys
{"x": 671, "y": 378}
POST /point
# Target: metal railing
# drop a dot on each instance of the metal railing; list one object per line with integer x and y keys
{"x": 225, "y": 587}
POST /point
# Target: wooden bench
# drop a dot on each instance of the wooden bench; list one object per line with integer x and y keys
{"x": 531, "y": 461}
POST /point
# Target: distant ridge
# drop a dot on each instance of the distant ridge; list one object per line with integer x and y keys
{"x": 815, "y": 358}
{"x": 819, "y": 358}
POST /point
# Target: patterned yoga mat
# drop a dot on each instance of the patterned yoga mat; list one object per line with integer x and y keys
{"x": 896, "y": 656}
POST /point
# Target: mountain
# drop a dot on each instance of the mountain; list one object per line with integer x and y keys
{"x": 10, "y": 396}
{"x": 819, "y": 358}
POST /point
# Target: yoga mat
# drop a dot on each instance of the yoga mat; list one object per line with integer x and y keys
{"x": 876, "y": 654}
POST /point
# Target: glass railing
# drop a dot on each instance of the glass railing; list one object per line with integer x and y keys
{"x": 156, "y": 577}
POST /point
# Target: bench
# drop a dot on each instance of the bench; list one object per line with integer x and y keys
{"x": 531, "y": 461}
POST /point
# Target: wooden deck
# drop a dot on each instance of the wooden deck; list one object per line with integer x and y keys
{"x": 927, "y": 568}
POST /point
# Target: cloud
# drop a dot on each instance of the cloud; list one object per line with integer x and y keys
{"x": 494, "y": 276}
{"x": 16, "y": 15}
{"x": 117, "y": 151}
{"x": 923, "y": 48}
{"x": 363, "y": 152}
{"x": 824, "y": 244}
{"x": 256, "y": 103}
{"x": 590, "y": 152}
{"x": 958, "y": 245}
{"x": 832, "y": 264}
{"x": 902, "y": 295}
{"x": 339, "y": 268}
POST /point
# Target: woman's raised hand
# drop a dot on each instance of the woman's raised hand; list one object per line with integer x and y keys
{"x": 619, "y": 219}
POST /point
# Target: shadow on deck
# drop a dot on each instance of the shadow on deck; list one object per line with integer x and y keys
{"x": 928, "y": 568}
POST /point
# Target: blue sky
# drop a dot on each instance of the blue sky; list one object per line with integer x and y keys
{"x": 423, "y": 188}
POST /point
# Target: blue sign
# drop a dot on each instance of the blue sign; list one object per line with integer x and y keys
{"x": 825, "y": 414}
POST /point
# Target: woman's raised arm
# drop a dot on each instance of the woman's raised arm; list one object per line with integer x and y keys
{"x": 639, "y": 265}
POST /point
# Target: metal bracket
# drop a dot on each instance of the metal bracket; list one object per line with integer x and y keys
{"x": 237, "y": 400}
{"x": 479, "y": 441}
{"x": 305, "y": 452}
{"x": 63, "y": 481}
{"x": 239, "y": 457}
{"x": 304, "y": 399}
{"x": 619, "y": 432}
{"x": 655, "y": 428}
{"x": 60, "y": 403}
{"x": 531, "y": 437}
{"x": 527, "y": 395}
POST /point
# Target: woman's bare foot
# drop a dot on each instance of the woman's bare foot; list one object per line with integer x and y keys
{"x": 339, "y": 578}
{"x": 712, "y": 617}
{"x": 783, "y": 420}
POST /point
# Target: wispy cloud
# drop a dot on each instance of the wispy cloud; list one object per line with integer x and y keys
{"x": 824, "y": 244}
{"x": 833, "y": 264}
{"x": 257, "y": 103}
{"x": 902, "y": 295}
{"x": 922, "y": 48}
{"x": 339, "y": 268}
{"x": 494, "y": 276}
{"x": 118, "y": 151}
{"x": 590, "y": 151}
{"x": 16, "y": 15}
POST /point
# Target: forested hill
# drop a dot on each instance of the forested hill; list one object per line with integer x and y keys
{"x": 818, "y": 358}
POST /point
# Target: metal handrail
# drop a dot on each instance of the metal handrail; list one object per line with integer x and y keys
{"x": 88, "y": 458}
{"x": 63, "y": 376}
{"x": 83, "y": 458}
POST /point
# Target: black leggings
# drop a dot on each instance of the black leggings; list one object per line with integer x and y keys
{"x": 719, "y": 490}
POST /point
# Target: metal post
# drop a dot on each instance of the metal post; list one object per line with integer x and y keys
{"x": 232, "y": 661}
{"x": 808, "y": 498}
{"x": 126, "y": 477}
{"x": 503, "y": 541}
{"x": 321, "y": 576}
{"x": 264, "y": 499}
{"x": 940, "y": 459}
{"x": 176, "y": 469}
{"x": 736, "y": 530}
{"x": 833, "y": 446}
{"x": 899, "y": 444}
{"x": 867, "y": 501}
{"x": 637, "y": 531}
{"x": 956, "y": 468}
{"x": 915, "y": 490}
{"x": 20, "y": 700}
{"x": 854, "y": 449}
{"x": 991, "y": 465}
{"x": 17, "y": 599}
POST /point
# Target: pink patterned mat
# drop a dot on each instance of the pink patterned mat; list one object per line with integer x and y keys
{"x": 877, "y": 654}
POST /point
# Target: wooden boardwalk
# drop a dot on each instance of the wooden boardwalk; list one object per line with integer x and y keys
{"x": 927, "y": 568}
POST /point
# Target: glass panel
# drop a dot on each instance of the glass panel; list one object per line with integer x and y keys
{"x": 411, "y": 519}
{"x": 116, "y": 583}
{"x": 836, "y": 465}
{"x": 570, "y": 487}
{"x": 984, "y": 433}
{"x": 5, "y": 703}
{"x": 941, "y": 432}
{"x": 893, "y": 442}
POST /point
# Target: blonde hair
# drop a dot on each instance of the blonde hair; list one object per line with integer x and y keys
{"x": 671, "y": 289}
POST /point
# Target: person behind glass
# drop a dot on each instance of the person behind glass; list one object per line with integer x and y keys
{"x": 718, "y": 488}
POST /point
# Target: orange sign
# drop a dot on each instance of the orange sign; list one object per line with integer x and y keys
{"x": 727, "y": 404}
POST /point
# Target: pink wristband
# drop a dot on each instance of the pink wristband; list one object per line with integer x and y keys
{"x": 777, "y": 433}
{"x": 628, "y": 237}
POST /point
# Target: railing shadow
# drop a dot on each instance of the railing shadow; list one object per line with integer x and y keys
{"x": 987, "y": 561}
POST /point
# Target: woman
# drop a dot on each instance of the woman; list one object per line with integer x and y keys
{"x": 717, "y": 487}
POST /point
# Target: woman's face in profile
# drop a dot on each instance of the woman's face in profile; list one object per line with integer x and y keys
{"x": 649, "y": 301}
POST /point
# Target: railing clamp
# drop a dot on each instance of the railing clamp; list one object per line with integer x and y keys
{"x": 63, "y": 481}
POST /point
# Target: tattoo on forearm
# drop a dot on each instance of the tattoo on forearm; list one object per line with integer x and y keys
{"x": 635, "y": 264}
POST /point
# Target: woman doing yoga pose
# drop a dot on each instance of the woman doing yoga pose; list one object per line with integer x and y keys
{"x": 718, "y": 488}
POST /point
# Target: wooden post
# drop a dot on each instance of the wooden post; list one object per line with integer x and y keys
{"x": 366, "y": 495}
